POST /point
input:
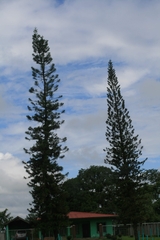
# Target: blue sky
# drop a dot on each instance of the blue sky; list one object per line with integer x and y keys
{"x": 83, "y": 35}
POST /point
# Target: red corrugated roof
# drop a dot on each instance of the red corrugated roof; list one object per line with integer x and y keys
{"x": 76, "y": 215}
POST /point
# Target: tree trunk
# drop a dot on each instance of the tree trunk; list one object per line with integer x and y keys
{"x": 135, "y": 229}
{"x": 55, "y": 234}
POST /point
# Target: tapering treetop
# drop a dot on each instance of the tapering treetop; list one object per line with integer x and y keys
{"x": 124, "y": 147}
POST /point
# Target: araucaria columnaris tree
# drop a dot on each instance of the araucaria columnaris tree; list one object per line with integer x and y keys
{"x": 122, "y": 153}
{"x": 43, "y": 170}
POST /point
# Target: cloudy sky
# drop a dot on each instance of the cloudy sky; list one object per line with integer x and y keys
{"x": 83, "y": 35}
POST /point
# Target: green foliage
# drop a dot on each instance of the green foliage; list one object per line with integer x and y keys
{"x": 69, "y": 237}
{"x": 108, "y": 236}
{"x": 94, "y": 190}
{"x": 32, "y": 219}
{"x": 132, "y": 199}
{"x": 42, "y": 168}
{"x": 152, "y": 176}
{"x": 4, "y": 218}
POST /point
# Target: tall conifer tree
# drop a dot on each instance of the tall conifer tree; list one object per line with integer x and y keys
{"x": 122, "y": 153}
{"x": 44, "y": 173}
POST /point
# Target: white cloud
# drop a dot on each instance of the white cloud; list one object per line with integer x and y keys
{"x": 13, "y": 187}
{"x": 77, "y": 31}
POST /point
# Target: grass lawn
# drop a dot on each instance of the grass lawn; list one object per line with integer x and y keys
{"x": 141, "y": 238}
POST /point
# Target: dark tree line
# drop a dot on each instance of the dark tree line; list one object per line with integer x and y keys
{"x": 96, "y": 192}
{"x": 93, "y": 188}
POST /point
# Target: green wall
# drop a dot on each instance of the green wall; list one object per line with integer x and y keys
{"x": 107, "y": 228}
{"x": 94, "y": 229}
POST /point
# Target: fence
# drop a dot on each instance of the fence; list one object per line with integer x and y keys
{"x": 33, "y": 234}
{"x": 145, "y": 229}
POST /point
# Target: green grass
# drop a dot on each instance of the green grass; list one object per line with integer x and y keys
{"x": 141, "y": 238}
{"x": 129, "y": 238}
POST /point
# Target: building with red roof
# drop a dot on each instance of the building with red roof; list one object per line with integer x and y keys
{"x": 88, "y": 224}
{"x": 82, "y": 225}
